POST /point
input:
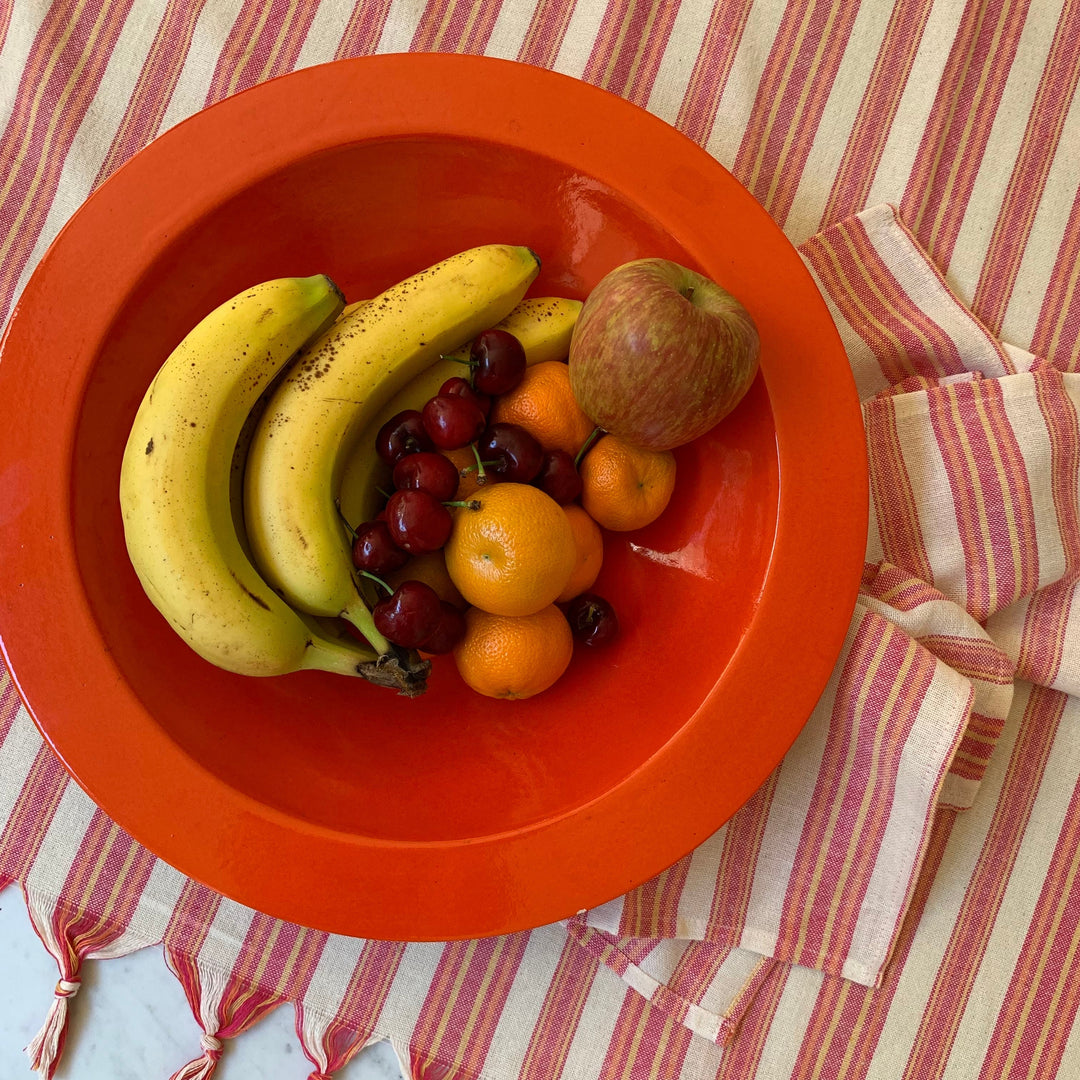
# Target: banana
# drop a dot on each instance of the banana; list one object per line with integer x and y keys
{"x": 543, "y": 325}
{"x": 327, "y": 399}
{"x": 176, "y": 479}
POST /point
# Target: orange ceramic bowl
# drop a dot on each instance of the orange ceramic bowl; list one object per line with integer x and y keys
{"x": 324, "y": 800}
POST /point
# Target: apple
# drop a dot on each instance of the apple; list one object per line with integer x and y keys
{"x": 660, "y": 354}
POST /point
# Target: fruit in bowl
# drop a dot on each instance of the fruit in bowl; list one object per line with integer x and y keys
{"x": 574, "y": 794}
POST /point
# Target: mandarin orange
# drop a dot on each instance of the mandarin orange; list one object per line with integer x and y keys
{"x": 504, "y": 656}
{"x": 625, "y": 487}
{"x": 544, "y": 405}
{"x": 514, "y": 554}
{"x": 589, "y": 544}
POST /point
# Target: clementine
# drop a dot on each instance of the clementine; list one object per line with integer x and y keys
{"x": 545, "y": 406}
{"x": 514, "y": 554}
{"x": 625, "y": 487}
{"x": 589, "y": 544}
{"x": 504, "y": 656}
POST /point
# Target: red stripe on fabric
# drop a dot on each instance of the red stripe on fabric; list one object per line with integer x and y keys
{"x": 903, "y": 338}
{"x": 102, "y": 890}
{"x": 1042, "y": 642}
{"x": 62, "y": 74}
{"x": 652, "y": 909}
{"x": 877, "y": 110}
{"x": 560, "y": 1014}
{"x": 365, "y": 29}
{"x": 10, "y": 704}
{"x": 32, "y": 814}
{"x": 700, "y": 103}
{"x": 895, "y": 506}
{"x": 546, "y": 31}
{"x": 991, "y": 493}
{"x": 791, "y": 98}
{"x": 154, "y": 88}
{"x": 358, "y": 1010}
{"x": 742, "y": 1056}
{"x": 645, "y": 1043}
{"x": 882, "y": 685}
{"x": 465, "y": 1000}
{"x": 697, "y": 969}
{"x": 1027, "y": 182}
{"x": 986, "y": 889}
{"x": 191, "y": 917}
{"x": 738, "y": 863}
{"x": 265, "y": 41}
{"x": 6, "y": 8}
{"x": 463, "y": 26}
{"x": 958, "y": 128}
{"x": 629, "y": 47}
{"x": 1057, "y": 329}
{"x": 896, "y": 587}
{"x": 1036, "y": 1017}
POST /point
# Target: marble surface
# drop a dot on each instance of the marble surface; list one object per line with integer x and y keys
{"x": 130, "y": 1020}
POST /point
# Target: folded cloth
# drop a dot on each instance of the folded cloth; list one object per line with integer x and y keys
{"x": 968, "y": 531}
{"x": 813, "y": 888}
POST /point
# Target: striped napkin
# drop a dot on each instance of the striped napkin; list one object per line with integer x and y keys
{"x": 899, "y": 900}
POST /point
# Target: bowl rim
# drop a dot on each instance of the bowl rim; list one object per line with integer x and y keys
{"x": 481, "y": 886}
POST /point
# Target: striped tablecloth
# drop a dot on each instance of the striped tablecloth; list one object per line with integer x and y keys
{"x": 899, "y": 900}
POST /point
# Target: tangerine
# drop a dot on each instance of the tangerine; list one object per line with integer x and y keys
{"x": 514, "y": 553}
{"x": 503, "y": 656}
{"x": 589, "y": 544}
{"x": 625, "y": 487}
{"x": 545, "y": 406}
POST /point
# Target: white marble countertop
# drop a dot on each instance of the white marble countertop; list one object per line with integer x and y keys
{"x": 130, "y": 1021}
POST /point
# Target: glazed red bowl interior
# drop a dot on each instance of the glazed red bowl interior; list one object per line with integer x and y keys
{"x": 323, "y": 799}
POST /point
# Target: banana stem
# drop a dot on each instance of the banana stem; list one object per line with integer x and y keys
{"x": 359, "y": 614}
{"x": 341, "y": 657}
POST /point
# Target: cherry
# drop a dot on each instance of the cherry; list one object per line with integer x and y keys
{"x": 418, "y": 522}
{"x": 459, "y": 387}
{"x": 517, "y": 455}
{"x": 592, "y": 620}
{"x": 558, "y": 476}
{"x": 409, "y": 615}
{"x": 448, "y": 633}
{"x": 498, "y": 360}
{"x": 451, "y": 420}
{"x": 375, "y": 551}
{"x": 400, "y": 435}
{"x": 429, "y": 472}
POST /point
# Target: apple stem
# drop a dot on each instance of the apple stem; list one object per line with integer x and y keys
{"x": 593, "y": 436}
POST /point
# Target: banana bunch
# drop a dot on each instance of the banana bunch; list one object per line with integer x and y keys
{"x": 325, "y": 402}
{"x": 178, "y": 488}
{"x": 231, "y": 477}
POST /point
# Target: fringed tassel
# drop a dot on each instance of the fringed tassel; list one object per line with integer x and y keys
{"x": 46, "y": 1047}
{"x": 201, "y": 1068}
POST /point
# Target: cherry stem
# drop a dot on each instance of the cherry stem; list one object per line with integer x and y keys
{"x": 384, "y": 494}
{"x": 377, "y": 580}
{"x": 593, "y": 436}
{"x": 481, "y": 476}
{"x": 468, "y": 504}
{"x": 344, "y": 520}
{"x": 457, "y": 360}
